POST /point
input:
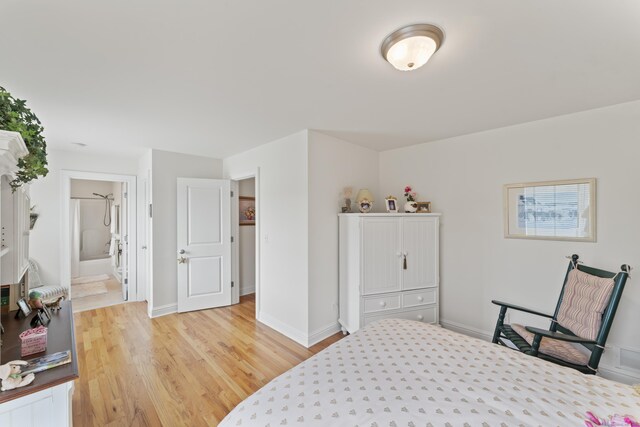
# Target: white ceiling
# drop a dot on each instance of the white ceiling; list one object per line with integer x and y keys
{"x": 217, "y": 77}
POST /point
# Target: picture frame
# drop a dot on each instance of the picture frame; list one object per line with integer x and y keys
{"x": 423, "y": 207}
{"x": 391, "y": 204}
{"x": 247, "y": 210}
{"x": 24, "y": 308}
{"x": 562, "y": 210}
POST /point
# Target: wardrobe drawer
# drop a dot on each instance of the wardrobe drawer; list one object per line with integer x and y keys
{"x": 418, "y": 298}
{"x": 425, "y": 315}
{"x": 381, "y": 303}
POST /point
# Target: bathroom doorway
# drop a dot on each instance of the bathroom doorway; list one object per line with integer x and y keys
{"x": 96, "y": 243}
{"x": 96, "y": 259}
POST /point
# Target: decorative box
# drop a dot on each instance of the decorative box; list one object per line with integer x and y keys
{"x": 33, "y": 341}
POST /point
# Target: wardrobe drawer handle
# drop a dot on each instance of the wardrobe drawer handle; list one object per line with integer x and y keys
{"x": 383, "y": 304}
{"x": 420, "y": 298}
{"x": 420, "y": 317}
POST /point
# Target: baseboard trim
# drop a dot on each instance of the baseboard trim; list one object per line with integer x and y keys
{"x": 617, "y": 374}
{"x": 247, "y": 291}
{"x": 466, "y": 330}
{"x": 163, "y": 310}
{"x": 285, "y": 329}
{"x": 323, "y": 333}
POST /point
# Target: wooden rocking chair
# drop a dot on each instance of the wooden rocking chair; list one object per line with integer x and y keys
{"x": 580, "y": 325}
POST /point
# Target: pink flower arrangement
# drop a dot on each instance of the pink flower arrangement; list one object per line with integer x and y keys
{"x": 613, "y": 421}
{"x": 410, "y": 194}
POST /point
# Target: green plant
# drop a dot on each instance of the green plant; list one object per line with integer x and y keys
{"x": 16, "y": 117}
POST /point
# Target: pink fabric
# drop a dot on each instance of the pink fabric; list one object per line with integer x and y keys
{"x": 559, "y": 349}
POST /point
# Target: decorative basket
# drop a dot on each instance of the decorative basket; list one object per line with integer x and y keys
{"x": 33, "y": 341}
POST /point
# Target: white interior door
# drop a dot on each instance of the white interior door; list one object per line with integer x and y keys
{"x": 124, "y": 239}
{"x": 204, "y": 243}
{"x": 143, "y": 238}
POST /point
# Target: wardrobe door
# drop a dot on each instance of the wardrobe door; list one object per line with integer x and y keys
{"x": 380, "y": 255}
{"x": 420, "y": 249}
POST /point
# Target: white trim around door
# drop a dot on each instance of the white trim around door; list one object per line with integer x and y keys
{"x": 135, "y": 293}
{"x": 236, "y": 232}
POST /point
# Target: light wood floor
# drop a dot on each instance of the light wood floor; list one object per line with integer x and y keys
{"x": 185, "y": 369}
{"x": 112, "y": 297}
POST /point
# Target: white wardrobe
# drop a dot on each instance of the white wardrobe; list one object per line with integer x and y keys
{"x": 389, "y": 268}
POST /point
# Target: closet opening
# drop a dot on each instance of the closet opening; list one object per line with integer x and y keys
{"x": 247, "y": 236}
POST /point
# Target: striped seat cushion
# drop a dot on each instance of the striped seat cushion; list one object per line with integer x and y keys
{"x": 559, "y": 349}
{"x": 48, "y": 293}
{"x": 585, "y": 299}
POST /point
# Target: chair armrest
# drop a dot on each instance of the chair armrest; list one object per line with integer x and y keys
{"x": 559, "y": 336}
{"x": 526, "y": 310}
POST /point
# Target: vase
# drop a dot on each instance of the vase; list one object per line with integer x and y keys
{"x": 410, "y": 207}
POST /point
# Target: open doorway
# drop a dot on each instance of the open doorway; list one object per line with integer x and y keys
{"x": 98, "y": 267}
{"x": 98, "y": 227}
{"x": 247, "y": 236}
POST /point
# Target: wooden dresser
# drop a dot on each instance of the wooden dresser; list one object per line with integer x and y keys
{"x": 389, "y": 268}
{"x": 46, "y": 401}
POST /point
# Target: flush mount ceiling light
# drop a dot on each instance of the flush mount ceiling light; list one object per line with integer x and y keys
{"x": 410, "y": 47}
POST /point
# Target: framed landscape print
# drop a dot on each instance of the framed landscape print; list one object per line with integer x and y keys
{"x": 247, "y": 210}
{"x": 551, "y": 210}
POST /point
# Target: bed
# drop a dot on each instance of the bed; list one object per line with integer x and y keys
{"x": 405, "y": 373}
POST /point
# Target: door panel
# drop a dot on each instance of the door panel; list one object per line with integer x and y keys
{"x": 381, "y": 253}
{"x": 201, "y": 272}
{"x": 204, "y": 244}
{"x": 204, "y": 209}
{"x": 420, "y": 248}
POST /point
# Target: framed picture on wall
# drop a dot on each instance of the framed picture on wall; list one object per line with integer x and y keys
{"x": 247, "y": 210}
{"x": 551, "y": 210}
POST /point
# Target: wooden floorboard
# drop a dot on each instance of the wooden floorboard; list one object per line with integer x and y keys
{"x": 186, "y": 369}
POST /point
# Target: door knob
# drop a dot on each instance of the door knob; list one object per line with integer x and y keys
{"x": 182, "y": 260}
{"x": 181, "y": 251}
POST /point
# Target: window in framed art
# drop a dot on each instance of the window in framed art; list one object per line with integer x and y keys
{"x": 552, "y": 210}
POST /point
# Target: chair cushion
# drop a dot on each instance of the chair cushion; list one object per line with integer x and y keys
{"x": 585, "y": 299}
{"x": 559, "y": 349}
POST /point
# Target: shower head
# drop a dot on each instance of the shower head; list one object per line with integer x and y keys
{"x": 99, "y": 195}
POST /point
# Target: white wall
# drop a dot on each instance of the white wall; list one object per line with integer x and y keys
{"x": 333, "y": 165}
{"x": 247, "y": 244}
{"x": 86, "y": 187}
{"x": 166, "y": 168}
{"x": 464, "y": 177}
{"x": 283, "y": 226}
{"x": 44, "y": 239}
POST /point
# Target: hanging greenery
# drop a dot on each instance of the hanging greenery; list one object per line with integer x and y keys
{"x": 16, "y": 117}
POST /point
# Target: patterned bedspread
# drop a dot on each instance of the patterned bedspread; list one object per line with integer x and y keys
{"x": 401, "y": 373}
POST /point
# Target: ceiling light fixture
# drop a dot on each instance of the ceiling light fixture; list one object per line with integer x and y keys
{"x": 410, "y": 47}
